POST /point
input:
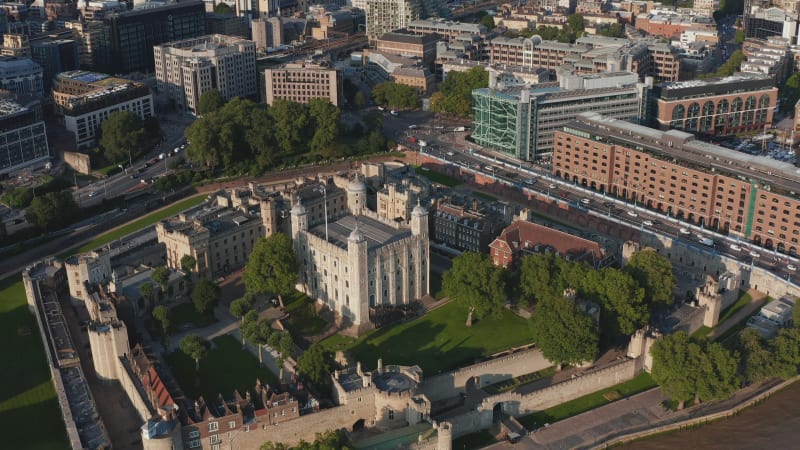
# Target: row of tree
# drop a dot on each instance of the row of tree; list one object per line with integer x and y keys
{"x": 697, "y": 370}
{"x": 395, "y": 95}
{"x": 124, "y": 136}
{"x": 455, "y": 92}
{"x": 561, "y": 328}
{"x": 330, "y": 440}
{"x": 244, "y": 136}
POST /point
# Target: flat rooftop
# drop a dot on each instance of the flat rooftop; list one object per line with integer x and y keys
{"x": 377, "y": 233}
{"x": 393, "y": 382}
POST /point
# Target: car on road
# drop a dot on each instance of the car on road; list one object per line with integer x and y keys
{"x": 552, "y": 186}
{"x": 684, "y": 231}
{"x": 608, "y": 205}
{"x": 735, "y": 247}
{"x": 530, "y": 181}
{"x": 754, "y": 254}
{"x": 585, "y": 201}
{"x": 134, "y": 175}
{"x": 412, "y": 127}
{"x": 154, "y": 160}
{"x": 647, "y": 223}
{"x": 792, "y": 267}
{"x": 632, "y": 213}
{"x": 381, "y": 108}
{"x": 393, "y": 112}
{"x": 92, "y": 194}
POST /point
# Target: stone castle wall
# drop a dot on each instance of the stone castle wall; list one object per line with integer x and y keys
{"x": 517, "y": 405}
{"x": 450, "y": 384}
{"x": 703, "y": 261}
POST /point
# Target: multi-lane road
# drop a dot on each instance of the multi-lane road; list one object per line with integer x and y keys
{"x": 452, "y": 148}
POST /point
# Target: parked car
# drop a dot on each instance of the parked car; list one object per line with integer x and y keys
{"x": 647, "y": 223}
{"x": 735, "y": 247}
{"x": 685, "y": 231}
{"x": 754, "y": 254}
{"x": 792, "y": 267}
{"x": 632, "y": 213}
{"x": 585, "y": 201}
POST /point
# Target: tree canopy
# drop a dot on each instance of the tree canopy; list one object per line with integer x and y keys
{"x": 730, "y": 66}
{"x": 654, "y": 273}
{"x": 455, "y": 93}
{"x": 330, "y": 440}
{"x": 210, "y": 100}
{"x": 122, "y": 136}
{"x": 17, "y": 197}
{"x": 563, "y": 332}
{"x": 188, "y": 263}
{"x": 161, "y": 276}
{"x": 686, "y": 369}
{"x": 52, "y": 211}
{"x": 161, "y": 314}
{"x": 622, "y": 298}
{"x": 205, "y": 295}
{"x": 194, "y": 347}
{"x": 488, "y": 21}
{"x": 475, "y": 281}
{"x": 316, "y": 365}
{"x": 395, "y": 95}
{"x": 272, "y": 267}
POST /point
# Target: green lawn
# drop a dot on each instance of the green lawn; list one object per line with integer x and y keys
{"x": 486, "y": 197}
{"x": 701, "y": 332}
{"x": 743, "y": 300}
{"x": 474, "y": 441}
{"x": 138, "y": 224}
{"x": 185, "y": 313}
{"x": 508, "y": 385}
{"x": 225, "y": 368}
{"x": 303, "y": 317}
{"x": 436, "y": 284}
{"x": 641, "y": 383}
{"x": 437, "y": 177}
{"x": 438, "y": 341}
{"x": 30, "y": 417}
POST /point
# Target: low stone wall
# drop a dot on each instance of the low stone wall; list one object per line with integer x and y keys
{"x": 292, "y": 431}
{"x": 450, "y": 384}
{"x": 516, "y": 405}
{"x": 698, "y": 420}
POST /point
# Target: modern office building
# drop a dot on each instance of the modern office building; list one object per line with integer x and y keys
{"x": 521, "y": 121}
{"x": 23, "y": 139}
{"x": 89, "y": 35}
{"x": 589, "y": 54}
{"x": 302, "y": 82}
{"x": 717, "y": 106}
{"x": 86, "y": 99}
{"x": 21, "y": 76}
{"x": 55, "y": 56}
{"x": 129, "y": 37}
{"x": 403, "y": 43}
{"x": 753, "y": 197}
{"x": 383, "y": 16}
{"x": 380, "y": 67}
{"x": 185, "y": 69}
{"x": 267, "y": 33}
{"x": 355, "y": 261}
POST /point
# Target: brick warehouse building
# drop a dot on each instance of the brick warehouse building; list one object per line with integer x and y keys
{"x": 672, "y": 172}
{"x": 717, "y": 106}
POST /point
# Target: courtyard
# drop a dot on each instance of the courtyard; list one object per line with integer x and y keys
{"x": 438, "y": 341}
{"x": 226, "y": 367}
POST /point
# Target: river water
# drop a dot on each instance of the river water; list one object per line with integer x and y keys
{"x": 773, "y": 424}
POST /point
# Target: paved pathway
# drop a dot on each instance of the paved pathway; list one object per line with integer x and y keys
{"x": 757, "y": 301}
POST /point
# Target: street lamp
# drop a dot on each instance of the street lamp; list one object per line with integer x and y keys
{"x": 321, "y": 188}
